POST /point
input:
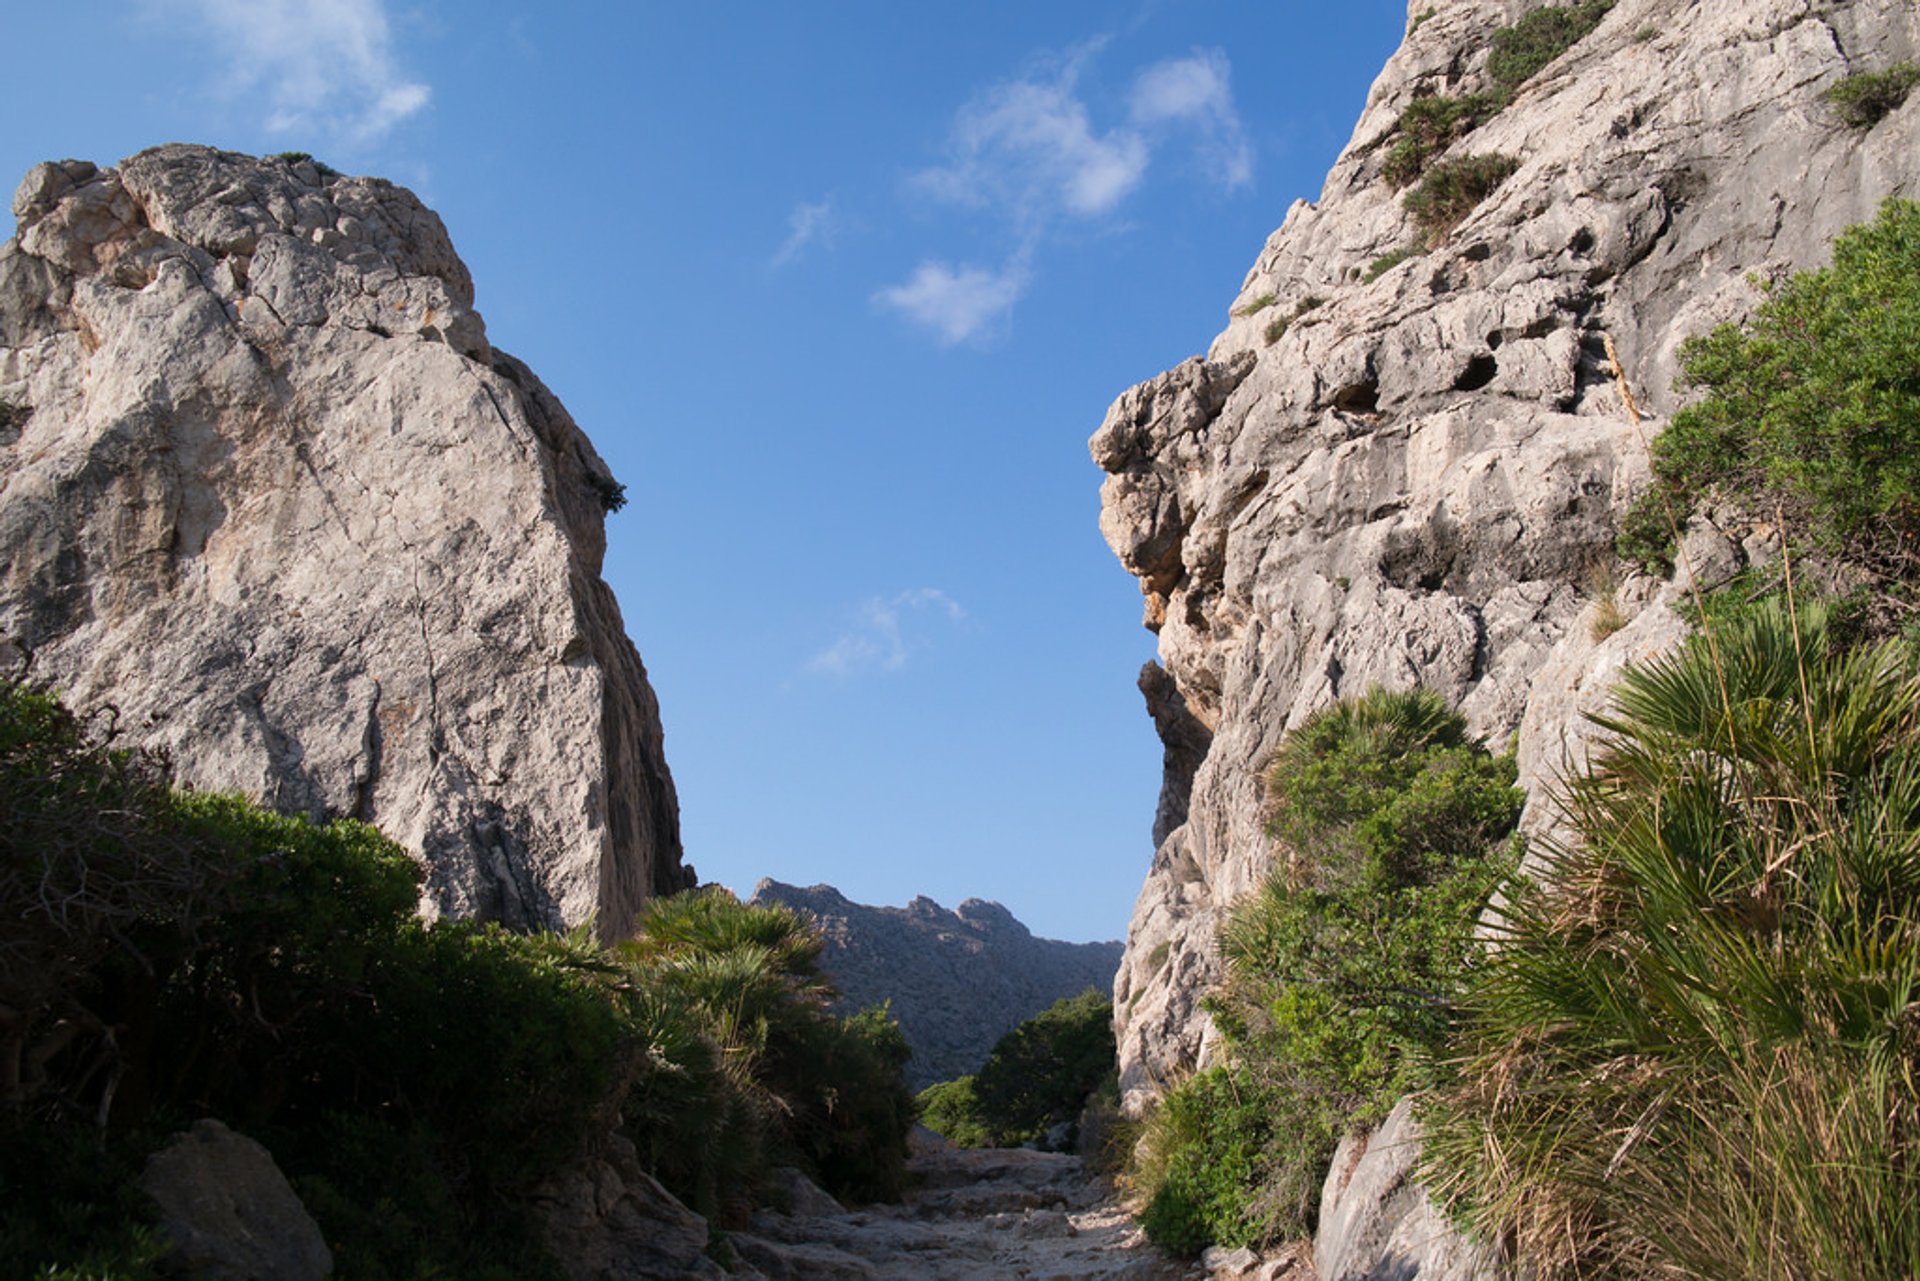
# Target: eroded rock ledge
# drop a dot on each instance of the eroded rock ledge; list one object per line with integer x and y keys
{"x": 267, "y": 490}
{"x": 1416, "y": 480}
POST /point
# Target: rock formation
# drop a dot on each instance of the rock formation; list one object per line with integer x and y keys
{"x": 958, "y": 981}
{"x": 1417, "y": 479}
{"x": 268, "y": 493}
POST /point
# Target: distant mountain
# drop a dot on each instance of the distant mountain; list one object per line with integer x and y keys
{"x": 958, "y": 980}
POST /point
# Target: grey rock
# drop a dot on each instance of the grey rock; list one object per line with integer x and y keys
{"x": 794, "y": 1193}
{"x": 957, "y": 981}
{"x": 606, "y": 1219}
{"x": 228, "y": 1212}
{"x": 1378, "y": 1224}
{"x": 1413, "y": 483}
{"x": 279, "y": 502}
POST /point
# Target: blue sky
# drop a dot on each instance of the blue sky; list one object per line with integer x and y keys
{"x": 839, "y": 290}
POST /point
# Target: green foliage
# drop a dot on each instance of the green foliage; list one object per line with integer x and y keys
{"x": 1278, "y": 327}
{"x": 1037, "y": 1077}
{"x": 1432, "y": 124}
{"x": 1452, "y": 189}
{"x": 1525, "y": 48}
{"x": 1388, "y": 261}
{"x": 804, "y": 1086}
{"x": 1811, "y": 411}
{"x": 1259, "y": 304}
{"x": 1706, "y": 1001}
{"x": 612, "y": 494}
{"x": 292, "y": 157}
{"x": 1862, "y": 100}
{"x": 1341, "y": 970}
{"x": 1419, "y": 19}
{"x": 172, "y": 955}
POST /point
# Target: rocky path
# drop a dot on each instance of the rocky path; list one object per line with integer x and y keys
{"x": 976, "y": 1214}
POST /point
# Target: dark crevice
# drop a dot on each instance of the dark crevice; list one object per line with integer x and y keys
{"x": 1358, "y": 398}
{"x": 1479, "y": 372}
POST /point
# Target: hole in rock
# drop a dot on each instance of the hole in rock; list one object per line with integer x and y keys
{"x": 1477, "y": 253}
{"x": 1493, "y": 339}
{"x": 1478, "y": 373}
{"x": 1582, "y": 242}
{"x": 1358, "y": 398}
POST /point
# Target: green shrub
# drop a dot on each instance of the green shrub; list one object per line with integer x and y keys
{"x": 1451, "y": 190}
{"x": 1418, "y": 20}
{"x": 1387, "y": 262}
{"x": 612, "y": 494}
{"x": 1430, "y": 125}
{"x": 1259, "y": 304}
{"x": 1278, "y": 327}
{"x": 172, "y": 955}
{"x": 1811, "y": 411}
{"x": 1341, "y": 970}
{"x": 1037, "y": 1077}
{"x": 1693, "y": 1052}
{"x": 1525, "y": 48}
{"x": 1864, "y": 99}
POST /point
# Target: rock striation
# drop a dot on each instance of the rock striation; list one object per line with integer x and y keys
{"x": 267, "y": 491}
{"x": 1417, "y": 479}
{"x": 957, "y": 981}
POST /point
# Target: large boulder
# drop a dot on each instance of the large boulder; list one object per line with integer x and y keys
{"x": 268, "y": 491}
{"x": 228, "y": 1213}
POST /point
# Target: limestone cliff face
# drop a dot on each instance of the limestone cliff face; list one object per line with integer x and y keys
{"x": 957, "y": 980}
{"x": 1415, "y": 481}
{"x": 266, "y": 489}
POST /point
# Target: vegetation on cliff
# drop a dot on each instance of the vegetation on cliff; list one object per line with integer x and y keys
{"x": 1693, "y": 1051}
{"x": 172, "y": 955}
{"x": 1341, "y": 971}
{"x": 1809, "y": 421}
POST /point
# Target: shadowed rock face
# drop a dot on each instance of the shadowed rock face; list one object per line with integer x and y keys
{"x": 1412, "y": 484}
{"x": 267, "y": 490}
{"x": 958, "y": 980}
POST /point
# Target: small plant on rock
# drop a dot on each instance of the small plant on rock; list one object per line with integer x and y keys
{"x": 1524, "y": 49}
{"x": 1863, "y": 100}
{"x": 1432, "y": 124}
{"x": 1452, "y": 189}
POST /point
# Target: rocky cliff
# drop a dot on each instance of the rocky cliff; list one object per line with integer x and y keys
{"x": 267, "y": 492}
{"x": 1417, "y": 479}
{"x": 958, "y": 980}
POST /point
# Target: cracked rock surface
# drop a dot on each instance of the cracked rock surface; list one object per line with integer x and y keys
{"x": 266, "y": 490}
{"x": 1416, "y": 479}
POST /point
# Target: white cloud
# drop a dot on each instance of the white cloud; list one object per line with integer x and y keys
{"x": 326, "y": 66}
{"x": 880, "y": 638}
{"x": 1197, "y": 92}
{"x": 808, "y": 224}
{"x": 1029, "y": 148}
{"x": 956, "y": 303}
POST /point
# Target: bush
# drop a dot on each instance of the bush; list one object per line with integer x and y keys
{"x": 1863, "y": 100}
{"x": 1452, "y": 189}
{"x": 1037, "y": 1078}
{"x": 172, "y": 955}
{"x": 1707, "y": 999}
{"x": 1387, "y": 262}
{"x": 1341, "y": 970}
{"x": 1430, "y": 125}
{"x": 1525, "y": 48}
{"x": 1810, "y": 411}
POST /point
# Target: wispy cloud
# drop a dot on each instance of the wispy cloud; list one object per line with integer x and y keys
{"x": 1031, "y": 154}
{"x": 957, "y": 303}
{"x": 326, "y": 67}
{"x": 809, "y": 224}
{"x": 1029, "y": 149}
{"x": 1197, "y": 91}
{"x": 883, "y": 633}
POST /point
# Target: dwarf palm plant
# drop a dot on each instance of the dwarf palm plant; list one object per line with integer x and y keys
{"x": 1694, "y": 1050}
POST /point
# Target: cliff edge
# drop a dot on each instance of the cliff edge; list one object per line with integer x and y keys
{"x": 1416, "y": 477}
{"x": 268, "y": 494}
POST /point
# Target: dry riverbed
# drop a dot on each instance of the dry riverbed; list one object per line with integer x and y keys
{"x": 979, "y": 1214}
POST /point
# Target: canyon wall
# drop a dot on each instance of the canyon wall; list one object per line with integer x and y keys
{"x": 1417, "y": 479}
{"x": 270, "y": 500}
